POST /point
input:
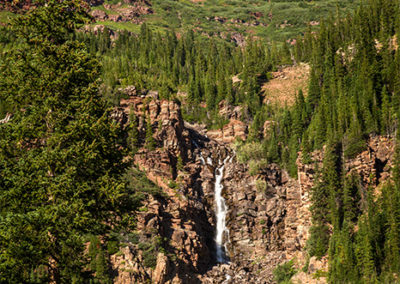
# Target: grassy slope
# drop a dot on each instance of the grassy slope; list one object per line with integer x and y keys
{"x": 280, "y": 19}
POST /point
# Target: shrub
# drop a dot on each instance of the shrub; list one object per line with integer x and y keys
{"x": 261, "y": 185}
{"x": 354, "y": 147}
{"x": 284, "y": 272}
{"x": 255, "y": 166}
{"x": 250, "y": 151}
{"x": 150, "y": 251}
{"x": 172, "y": 184}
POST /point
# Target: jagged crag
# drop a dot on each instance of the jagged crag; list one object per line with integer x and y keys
{"x": 267, "y": 226}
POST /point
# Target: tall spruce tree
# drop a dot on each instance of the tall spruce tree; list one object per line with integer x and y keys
{"x": 60, "y": 166}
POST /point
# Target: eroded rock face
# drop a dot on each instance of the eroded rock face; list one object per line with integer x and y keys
{"x": 263, "y": 222}
{"x": 120, "y": 12}
{"x": 372, "y": 165}
{"x": 178, "y": 221}
{"x": 264, "y": 210}
{"x": 234, "y": 129}
{"x": 268, "y": 214}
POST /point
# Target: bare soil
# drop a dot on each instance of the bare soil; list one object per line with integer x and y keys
{"x": 282, "y": 89}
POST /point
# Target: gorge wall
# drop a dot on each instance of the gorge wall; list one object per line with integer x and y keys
{"x": 268, "y": 213}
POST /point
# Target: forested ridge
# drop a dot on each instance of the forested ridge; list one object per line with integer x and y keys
{"x": 60, "y": 86}
{"x": 353, "y": 94}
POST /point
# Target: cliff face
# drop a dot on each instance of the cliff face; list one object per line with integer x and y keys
{"x": 261, "y": 220}
{"x": 268, "y": 214}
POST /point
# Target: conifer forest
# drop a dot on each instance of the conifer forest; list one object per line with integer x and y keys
{"x": 134, "y": 133}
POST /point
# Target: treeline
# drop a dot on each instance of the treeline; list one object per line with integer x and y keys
{"x": 201, "y": 67}
{"x": 353, "y": 93}
{"x": 354, "y": 86}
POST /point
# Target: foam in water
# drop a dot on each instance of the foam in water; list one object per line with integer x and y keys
{"x": 220, "y": 213}
{"x": 203, "y": 161}
{"x": 221, "y": 207}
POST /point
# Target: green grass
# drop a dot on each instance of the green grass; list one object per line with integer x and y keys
{"x": 131, "y": 27}
{"x": 184, "y": 14}
{"x": 5, "y": 16}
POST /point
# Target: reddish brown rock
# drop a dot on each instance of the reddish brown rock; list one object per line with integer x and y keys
{"x": 234, "y": 129}
{"x": 161, "y": 271}
{"x": 99, "y": 15}
{"x": 268, "y": 214}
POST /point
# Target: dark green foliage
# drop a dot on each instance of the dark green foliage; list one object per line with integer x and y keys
{"x": 98, "y": 261}
{"x": 168, "y": 64}
{"x": 353, "y": 94}
{"x": 61, "y": 165}
{"x": 350, "y": 94}
{"x": 284, "y": 272}
{"x": 318, "y": 242}
{"x": 150, "y": 251}
{"x": 133, "y": 133}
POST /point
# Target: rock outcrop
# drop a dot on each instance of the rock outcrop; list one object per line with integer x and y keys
{"x": 229, "y": 132}
{"x": 126, "y": 11}
{"x": 263, "y": 217}
{"x": 268, "y": 213}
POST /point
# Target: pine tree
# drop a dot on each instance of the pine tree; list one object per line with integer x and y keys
{"x": 314, "y": 91}
{"x": 364, "y": 253}
{"x": 386, "y": 116}
{"x": 133, "y": 138}
{"x": 60, "y": 164}
{"x": 210, "y": 92}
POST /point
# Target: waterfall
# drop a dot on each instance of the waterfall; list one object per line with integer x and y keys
{"x": 221, "y": 207}
{"x": 203, "y": 161}
{"x": 220, "y": 213}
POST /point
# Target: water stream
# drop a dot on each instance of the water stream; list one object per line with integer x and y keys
{"x": 221, "y": 208}
{"x": 220, "y": 213}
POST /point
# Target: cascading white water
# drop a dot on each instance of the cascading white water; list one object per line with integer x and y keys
{"x": 221, "y": 207}
{"x": 203, "y": 161}
{"x": 220, "y": 213}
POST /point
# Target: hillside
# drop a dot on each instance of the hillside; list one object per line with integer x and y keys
{"x": 270, "y": 20}
{"x": 145, "y": 148}
{"x": 234, "y": 19}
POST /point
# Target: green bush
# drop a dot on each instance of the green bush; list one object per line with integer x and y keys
{"x": 354, "y": 146}
{"x": 261, "y": 185}
{"x": 250, "y": 151}
{"x": 283, "y": 272}
{"x": 255, "y": 166}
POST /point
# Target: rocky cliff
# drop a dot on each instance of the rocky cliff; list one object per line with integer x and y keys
{"x": 268, "y": 213}
{"x": 261, "y": 219}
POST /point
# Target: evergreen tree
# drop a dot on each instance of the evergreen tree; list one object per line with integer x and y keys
{"x": 386, "y": 116}
{"x": 60, "y": 167}
{"x": 133, "y": 138}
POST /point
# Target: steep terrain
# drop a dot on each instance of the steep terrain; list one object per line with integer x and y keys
{"x": 262, "y": 222}
{"x": 268, "y": 213}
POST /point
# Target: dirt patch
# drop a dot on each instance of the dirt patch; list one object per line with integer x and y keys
{"x": 285, "y": 84}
